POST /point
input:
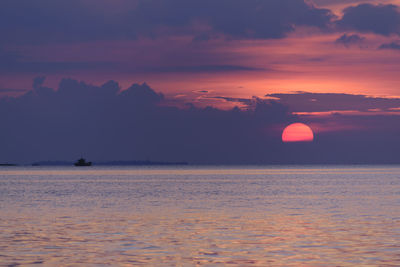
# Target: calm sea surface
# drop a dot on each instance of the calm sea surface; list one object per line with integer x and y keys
{"x": 205, "y": 216}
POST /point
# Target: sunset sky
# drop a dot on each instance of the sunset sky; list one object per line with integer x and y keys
{"x": 332, "y": 64}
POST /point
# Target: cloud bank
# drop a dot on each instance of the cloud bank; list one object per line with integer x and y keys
{"x": 378, "y": 19}
{"x": 108, "y": 123}
{"x": 45, "y": 21}
{"x": 105, "y": 123}
{"x": 322, "y": 102}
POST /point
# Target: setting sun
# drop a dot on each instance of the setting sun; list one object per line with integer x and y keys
{"x": 297, "y": 132}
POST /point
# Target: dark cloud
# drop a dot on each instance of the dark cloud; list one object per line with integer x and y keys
{"x": 379, "y": 19}
{"x": 322, "y": 102}
{"x": 38, "y": 82}
{"x": 393, "y": 45}
{"x": 350, "y": 39}
{"x": 237, "y": 19}
{"x": 44, "y": 21}
{"x": 107, "y": 123}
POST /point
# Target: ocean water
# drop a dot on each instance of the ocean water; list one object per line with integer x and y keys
{"x": 200, "y": 216}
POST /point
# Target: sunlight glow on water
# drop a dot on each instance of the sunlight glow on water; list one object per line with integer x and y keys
{"x": 253, "y": 216}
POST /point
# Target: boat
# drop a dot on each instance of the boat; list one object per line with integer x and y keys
{"x": 82, "y": 162}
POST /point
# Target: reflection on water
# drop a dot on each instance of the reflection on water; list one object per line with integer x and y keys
{"x": 347, "y": 216}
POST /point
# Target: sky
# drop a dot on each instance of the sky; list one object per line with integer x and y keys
{"x": 208, "y": 82}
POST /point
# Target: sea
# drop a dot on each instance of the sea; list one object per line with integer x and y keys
{"x": 200, "y": 216}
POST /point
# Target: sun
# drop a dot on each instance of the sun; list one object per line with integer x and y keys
{"x": 297, "y": 132}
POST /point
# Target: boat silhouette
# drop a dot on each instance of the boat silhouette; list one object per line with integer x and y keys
{"x": 82, "y": 162}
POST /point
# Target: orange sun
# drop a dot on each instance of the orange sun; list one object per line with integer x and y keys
{"x": 297, "y": 132}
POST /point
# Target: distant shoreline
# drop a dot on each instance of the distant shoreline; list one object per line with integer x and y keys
{"x": 184, "y": 163}
{"x": 111, "y": 163}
